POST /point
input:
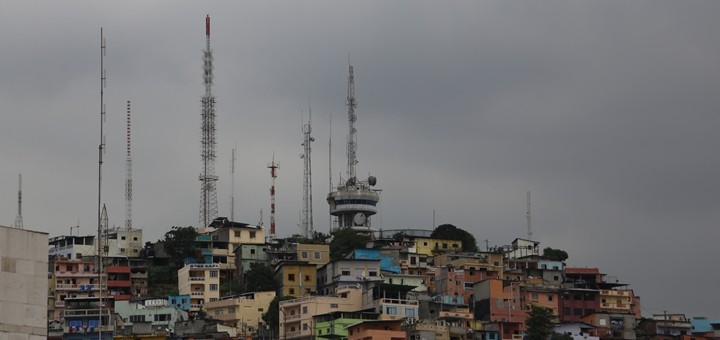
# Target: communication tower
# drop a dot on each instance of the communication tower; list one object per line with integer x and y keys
{"x": 128, "y": 176}
{"x": 208, "y": 179}
{"x": 273, "y": 174}
{"x": 306, "y": 224}
{"x": 529, "y": 220}
{"x": 18, "y": 219}
{"x": 233, "y": 158}
{"x": 354, "y": 201}
{"x": 102, "y": 212}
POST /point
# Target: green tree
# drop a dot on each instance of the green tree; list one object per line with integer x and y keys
{"x": 344, "y": 241}
{"x": 178, "y": 244}
{"x": 539, "y": 323}
{"x": 272, "y": 315}
{"x": 316, "y": 238}
{"x": 451, "y": 232}
{"x": 555, "y": 254}
{"x": 259, "y": 278}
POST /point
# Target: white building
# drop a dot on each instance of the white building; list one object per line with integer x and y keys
{"x": 24, "y": 282}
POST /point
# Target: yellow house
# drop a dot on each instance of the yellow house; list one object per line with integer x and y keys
{"x": 432, "y": 246}
{"x": 201, "y": 281}
{"x": 296, "y": 278}
{"x": 317, "y": 254}
{"x": 244, "y": 312}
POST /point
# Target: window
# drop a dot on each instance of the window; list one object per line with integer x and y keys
{"x": 231, "y": 310}
{"x": 444, "y": 245}
{"x": 317, "y": 255}
{"x": 213, "y": 287}
{"x": 304, "y": 309}
{"x": 252, "y": 251}
{"x": 218, "y": 312}
{"x": 162, "y": 317}
{"x": 372, "y": 273}
{"x": 122, "y": 237}
{"x": 589, "y": 297}
{"x": 413, "y": 260}
{"x": 391, "y": 310}
{"x": 135, "y": 250}
{"x": 291, "y": 277}
{"x": 252, "y": 234}
{"x": 291, "y": 291}
{"x": 333, "y": 305}
{"x": 534, "y": 296}
{"x": 122, "y": 250}
{"x": 237, "y": 233}
{"x": 566, "y": 310}
{"x": 578, "y": 311}
{"x": 137, "y": 318}
{"x": 307, "y": 278}
{"x": 304, "y": 254}
{"x": 410, "y": 312}
{"x": 134, "y": 238}
{"x": 305, "y": 327}
{"x": 345, "y": 272}
{"x": 214, "y": 273}
{"x": 260, "y": 309}
{"x": 455, "y": 245}
{"x": 550, "y": 297}
{"x": 425, "y": 244}
{"x": 556, "y": 278}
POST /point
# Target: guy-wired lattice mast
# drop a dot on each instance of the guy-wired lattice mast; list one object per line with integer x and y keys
{"x": 306, "y": 223}
{"x": 273, "y": 174}
{"x": 128, "y": 176}
{"x": 18, "y": 218}
{"x": 208, "y": 179}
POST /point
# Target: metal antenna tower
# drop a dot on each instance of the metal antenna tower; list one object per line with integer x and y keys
{"x": 352, "y": 133}
{"x": 101, "y": 150}
{"x": 330, "y": 186}
{"x": 307, "y": 219}
{"x": 529, "y": 225}
{"x": 273, "y": 174}
{"x": 233, "y": 158}
{"x": 18, "y": 219}
{"x": 208, "y": 179}
{"x": 128, "y": 176}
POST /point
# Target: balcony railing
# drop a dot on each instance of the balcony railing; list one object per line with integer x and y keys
{"x": 80, "y": 287}
{"x": 292, "y": 317}
{"x": 197, "y": 293}
{"x": 197, "y": 278}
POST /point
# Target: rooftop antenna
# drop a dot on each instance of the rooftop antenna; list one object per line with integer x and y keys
{"x": 233, "y": 158}
{"x": 128, "y": 176}
{"x": 101, "y": 209}
{"x": 529, "y": 226}
{"x": 352, "y": 118}
{"x": 208, "y": 179}
{"x": 306, "y": 222}
{"x": 18, "y": 219}
{"x": 273, "y": 174}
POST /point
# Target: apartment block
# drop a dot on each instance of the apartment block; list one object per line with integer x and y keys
{"x": 296, "y": 316}
{"x": 74, "y": 279}
{"x": 244, "y": 311}
{"x": 155, "y": 316}
{"x": 345, "y": 272}
{"x": 376, "y": 330}
{"x": 201, "y": 281}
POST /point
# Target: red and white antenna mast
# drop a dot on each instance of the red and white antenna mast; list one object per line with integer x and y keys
{"x": 273, "y": 174}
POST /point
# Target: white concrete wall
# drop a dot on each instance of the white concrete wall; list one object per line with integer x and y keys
{"x": 24, "y": 282}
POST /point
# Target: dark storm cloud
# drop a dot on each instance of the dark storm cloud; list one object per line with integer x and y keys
{"x": 605, "y": 111}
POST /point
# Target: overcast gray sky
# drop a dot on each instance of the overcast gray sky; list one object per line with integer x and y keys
{"x": 607, "y": 111}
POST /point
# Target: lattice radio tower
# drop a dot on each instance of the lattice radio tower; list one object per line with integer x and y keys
{"x": 352, "y": 132}
{"x": 18, "y": 218}
{"x": 208, "y": 179}
{"x": 128, "y": 176}
{"x": 273, "y": 174}
{"x": 306, "y": 223}
{"x": 102, "y": 247}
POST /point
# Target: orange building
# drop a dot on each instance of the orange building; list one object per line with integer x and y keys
{"x": 376, "y": 330}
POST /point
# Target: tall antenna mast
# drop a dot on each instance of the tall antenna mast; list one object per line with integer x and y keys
{"x": 18, "y": 219}
{"x": 330, "y": 186}
{"x": 233, "y": 158}
{"x": 208, "y": 179}
{"x": 529, "y": 225}
{"x": 352, "y": 133}
{"x": 273, "y": 174}
{"x": 128, "y": 176}
{"x": 307, "y": 218}
{"x": 101, "y": 149}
